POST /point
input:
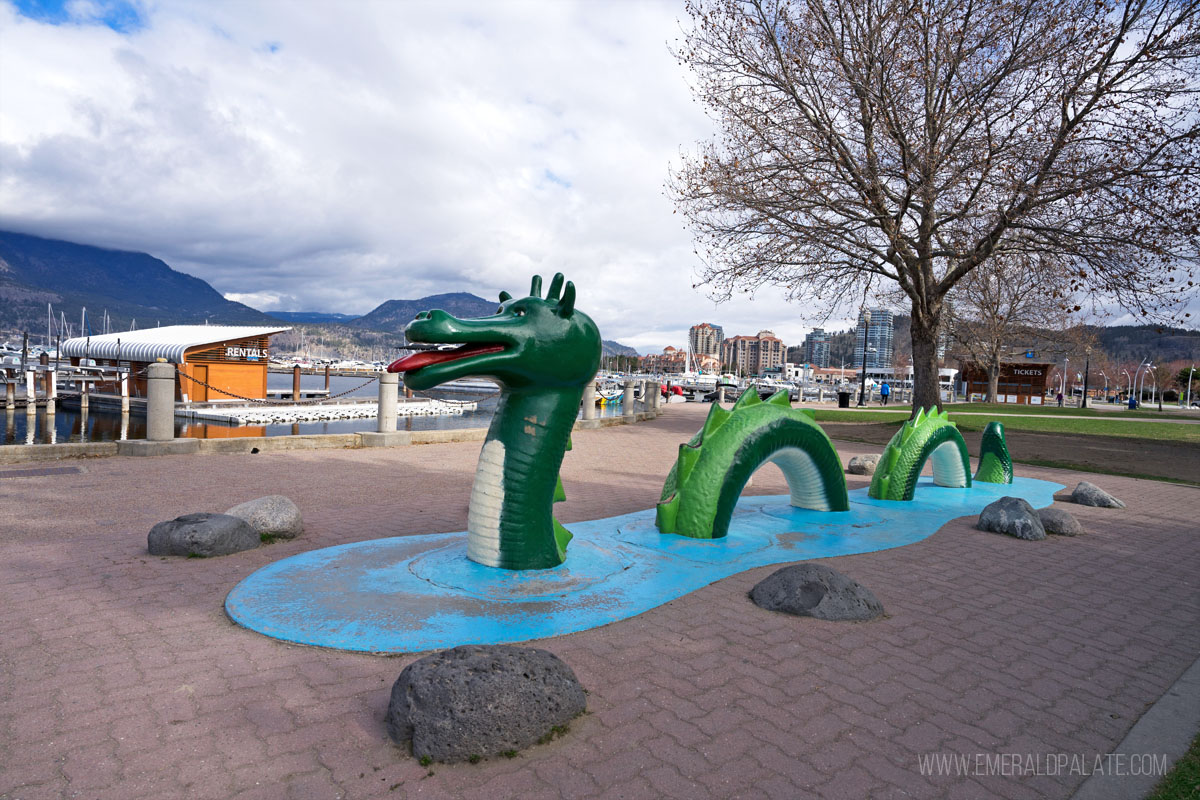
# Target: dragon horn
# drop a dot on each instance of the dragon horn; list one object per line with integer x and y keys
{"x": 535, "y": 288}
{"x": 505, "y": 297}
{"x": 566, "y": 306}
{"x": 555, "y": 286}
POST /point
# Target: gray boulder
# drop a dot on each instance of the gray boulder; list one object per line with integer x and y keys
{"x": 863, "y": 465}
{"x": 201, "y": 535}
{"x": 482, "y": 700}
{"x": 1059, "y": 522}
{"x": 1012, "y": 516}
{"x": 815, "y": 590}
{"x": 273, "y": 515}
{"x": 1089, "y": 494}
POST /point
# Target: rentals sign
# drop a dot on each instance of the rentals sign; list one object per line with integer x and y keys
{"x": 249, "y": 353}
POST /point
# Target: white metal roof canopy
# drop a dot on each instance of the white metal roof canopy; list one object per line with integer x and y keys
{"x": 151, "y": 344}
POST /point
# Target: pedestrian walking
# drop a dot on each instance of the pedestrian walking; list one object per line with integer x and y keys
{"x": 885, "y": 392}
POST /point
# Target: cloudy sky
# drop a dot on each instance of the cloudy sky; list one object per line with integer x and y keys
{"x": 319, "y": 155}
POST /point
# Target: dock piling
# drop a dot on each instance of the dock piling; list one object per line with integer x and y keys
{"x": 389, "y": 385}
{"x": 589, "y": 400}
{"x": 51, "y": 391}
{"x": 160, "y": 402}
{"x": 628, "y": 411}
{"x": 30, "y": 392}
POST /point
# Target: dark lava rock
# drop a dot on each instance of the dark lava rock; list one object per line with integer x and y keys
{"x": 273, "y": 515}
{"x": 1089, "y": 494}
{"x": 814, "y": 590}
{"x": 201, "y": 535}
{"x": 1059, "y": 522}
{"x": 482, "y": 700}
{"x": 1013, "y": 516}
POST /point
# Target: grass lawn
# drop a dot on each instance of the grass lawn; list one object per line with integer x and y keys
{"x": 1183, "y": 781}
{"x": 1068, "y": 424}
{"x": 1013, "y": 409}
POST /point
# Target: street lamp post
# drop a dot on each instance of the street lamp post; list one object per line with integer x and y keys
{"x": 1141, "y": 385}
{"x": 862, "y": 384}
{"x": 1105, "y": 374}
{"x": 1191, "y": 377}
{"x": 1062, "y": 386}
{"x": 1086, "y": 366}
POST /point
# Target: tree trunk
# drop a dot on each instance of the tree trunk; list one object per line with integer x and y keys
{"x": 994, "y": 378}
{"x": 925, "y": 360}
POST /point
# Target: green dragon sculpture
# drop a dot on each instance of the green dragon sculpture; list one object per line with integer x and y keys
{"x": 542, "y": 352}
{"x": 995, "y": 464}
{"x": 713, "y": 467}
{"x": 929, "y": 435}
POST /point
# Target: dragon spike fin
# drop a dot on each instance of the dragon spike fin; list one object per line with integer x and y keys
{"x": 561, "y": 537}
{"x": 781, "y": 398}
{"x": 716, "y": 418}
{"x": 749, "y": 398}
{"x": 688, "y": 456}
{"x": 566, "y": 306}
{"x": 919, "y": 418}
{"x": 505, "y": 297}
{"x": 535, "y": 286}
{"x": 555, "y": 286}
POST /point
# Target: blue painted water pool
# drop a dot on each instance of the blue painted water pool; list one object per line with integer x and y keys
{"x": 415, "y": 593}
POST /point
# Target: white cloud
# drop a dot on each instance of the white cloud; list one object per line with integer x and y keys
{"x": 323, "y": 156}
{"x": 263, "y": 301}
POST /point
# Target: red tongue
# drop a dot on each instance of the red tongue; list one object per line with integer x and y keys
{"x": 424, "y": 358}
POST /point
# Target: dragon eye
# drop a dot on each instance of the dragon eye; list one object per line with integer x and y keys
{"x": 520, "y": 312}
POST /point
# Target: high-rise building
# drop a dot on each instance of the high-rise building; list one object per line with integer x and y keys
{"x": 878, "y": 338}
{"x": 705, "y": 340}
{"x": 753, "y": 355}
{"x": 816, "y": 348}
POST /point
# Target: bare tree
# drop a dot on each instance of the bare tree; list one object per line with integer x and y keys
{"x": 1163, "y": 378}
{"x": 1018, "y": 303}
{"x": 866, "y": 143}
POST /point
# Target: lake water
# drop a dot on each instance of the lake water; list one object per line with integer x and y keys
{"x": 108, "y": 426}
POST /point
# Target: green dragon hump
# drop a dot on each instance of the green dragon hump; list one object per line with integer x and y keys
{"x": 712, "y": 468}
{"x": 929, "y": 435}
{"x": 995, "y": 464}
{"x": 541, "y": 352}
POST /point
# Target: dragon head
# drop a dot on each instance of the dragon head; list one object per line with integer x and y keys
{"x": 529, "y": 341}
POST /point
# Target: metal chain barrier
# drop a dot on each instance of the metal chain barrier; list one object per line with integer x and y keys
{"x": 259, "y": 401}
{"x": 426, "y": 396}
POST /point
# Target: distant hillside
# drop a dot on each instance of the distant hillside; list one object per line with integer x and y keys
{"x": 36, "y": 271}
{"x": 1157, "y": 343}
{"x": 609, "y": 348}
{"x": 393, "y": 315}
{"x": 311, "y": 316}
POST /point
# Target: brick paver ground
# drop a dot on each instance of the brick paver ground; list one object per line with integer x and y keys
{"x": 121, "y": 677}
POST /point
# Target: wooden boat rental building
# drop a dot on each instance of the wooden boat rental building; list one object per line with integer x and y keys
{"x": 215, "y": 362}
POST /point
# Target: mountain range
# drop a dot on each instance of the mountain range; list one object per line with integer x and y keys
{"x": 138, "y": 288}
{"x": 130, "y": 286}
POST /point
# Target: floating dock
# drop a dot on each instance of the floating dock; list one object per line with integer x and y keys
{"x": 272, "y": 415}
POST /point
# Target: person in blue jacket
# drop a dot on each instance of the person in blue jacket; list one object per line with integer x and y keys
{"x": 885, "y": 392}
